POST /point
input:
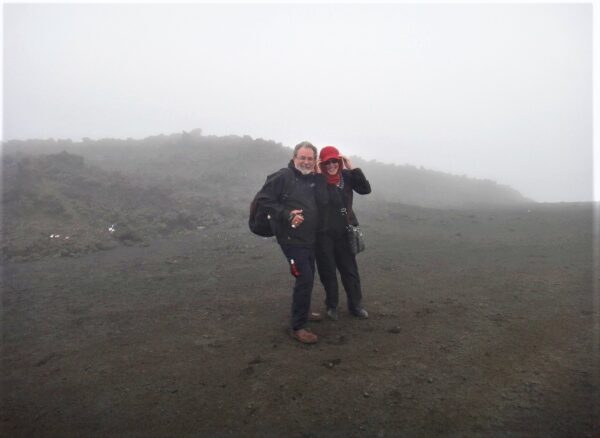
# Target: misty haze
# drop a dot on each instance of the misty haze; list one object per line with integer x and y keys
{"x": 136, "y": 301}
{"x": 499, "y": 92}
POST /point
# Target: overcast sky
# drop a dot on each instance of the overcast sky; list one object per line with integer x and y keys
{"x": 497, "y": 91}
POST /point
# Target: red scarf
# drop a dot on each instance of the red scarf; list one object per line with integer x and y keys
{"x": 334, "y": 179}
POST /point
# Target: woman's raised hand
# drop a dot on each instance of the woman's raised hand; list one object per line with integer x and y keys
{"x": 347, "y": 162}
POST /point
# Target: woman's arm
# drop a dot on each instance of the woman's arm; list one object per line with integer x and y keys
{"x": 359, "y": 182}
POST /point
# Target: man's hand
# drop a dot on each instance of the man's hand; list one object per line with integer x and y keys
{"x": 296, "y": 218}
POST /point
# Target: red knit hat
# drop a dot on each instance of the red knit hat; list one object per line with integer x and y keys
{"x": 328, "y": 153}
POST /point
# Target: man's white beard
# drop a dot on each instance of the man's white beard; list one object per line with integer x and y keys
{"x": 304, "y": 171}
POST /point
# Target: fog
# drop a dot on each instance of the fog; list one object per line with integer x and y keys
{"x": 496, "y": 91}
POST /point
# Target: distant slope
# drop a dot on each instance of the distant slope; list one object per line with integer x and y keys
{"x": 56, "y": 205}
{"x": 428, "y": 188}
{"x": 174, "y": 183}
{"x": 234, "y": 167}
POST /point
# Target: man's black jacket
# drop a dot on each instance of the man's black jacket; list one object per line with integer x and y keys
{"x": 307, "y": 193}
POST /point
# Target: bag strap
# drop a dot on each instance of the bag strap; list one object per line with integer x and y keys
{"x": 345, "y": 201}
{"x": 344, "y": 211}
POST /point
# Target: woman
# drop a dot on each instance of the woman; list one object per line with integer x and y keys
{"x": 332, "y": 247}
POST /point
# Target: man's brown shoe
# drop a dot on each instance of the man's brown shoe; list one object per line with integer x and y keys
{"x": 315, "y": 317}
{"x": 305, "y": 336}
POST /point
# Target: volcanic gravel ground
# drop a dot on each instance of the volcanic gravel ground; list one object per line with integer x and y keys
{"x": 481, "y": 324}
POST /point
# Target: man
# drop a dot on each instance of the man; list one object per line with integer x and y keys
{"x": 294, "y": 209}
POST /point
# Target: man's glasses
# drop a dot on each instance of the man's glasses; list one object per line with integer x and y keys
{"x": 329, "y": 162}
{"x": 305, "y": 158}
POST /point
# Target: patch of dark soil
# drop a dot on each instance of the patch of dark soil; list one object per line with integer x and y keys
{"x": 187, "y": 336}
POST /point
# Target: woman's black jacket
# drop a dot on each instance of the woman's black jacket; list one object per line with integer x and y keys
{"x": 333, "y": 218}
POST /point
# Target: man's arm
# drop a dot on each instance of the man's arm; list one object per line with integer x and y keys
{"x": 271, "y": 195}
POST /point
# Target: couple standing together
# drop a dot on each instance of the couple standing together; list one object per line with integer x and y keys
{"x": 311, "y": 216}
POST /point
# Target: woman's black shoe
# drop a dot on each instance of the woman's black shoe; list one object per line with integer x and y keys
{"x": 332, "y": 314}
{"x": 361, "y": 313}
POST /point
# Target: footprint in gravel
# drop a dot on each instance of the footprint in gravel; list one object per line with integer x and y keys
{"x": 424, "y": 312}
{"x": 338, "y": 340}
{"x": 46, "y": 359}
{"x": 248, "y": 371}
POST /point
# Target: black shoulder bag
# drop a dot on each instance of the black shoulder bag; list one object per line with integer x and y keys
{"x": 354, "y": 234}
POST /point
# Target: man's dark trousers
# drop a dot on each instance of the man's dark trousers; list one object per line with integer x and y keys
{"x": 304, "y": 258}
